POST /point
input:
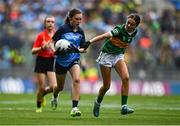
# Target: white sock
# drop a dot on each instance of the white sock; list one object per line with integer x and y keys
{"x": 125, "y": 105}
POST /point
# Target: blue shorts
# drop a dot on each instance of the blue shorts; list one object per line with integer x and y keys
{"x": 63, "y": 70}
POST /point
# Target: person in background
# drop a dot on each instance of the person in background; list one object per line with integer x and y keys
{"x": 69, "y": 61}
{"x": 112, "y": 56}
{"x": 44, "y": 49}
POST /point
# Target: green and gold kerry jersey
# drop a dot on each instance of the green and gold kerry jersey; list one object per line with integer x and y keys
{"x": 119, "y": 41}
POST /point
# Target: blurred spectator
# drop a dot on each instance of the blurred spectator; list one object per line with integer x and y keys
{"x": 175, "y": 46}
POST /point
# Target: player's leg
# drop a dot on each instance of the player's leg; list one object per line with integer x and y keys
{"x": 60, "y": 86}
{"x": 51, "y": 87}
{"x": 52, "y": 82}
{"x": 40, "y": 90}
{"x": 75, "y": 74}
{"x": 60, "y": 77}
{"x": 122, "y": 71}
{"x": 106, "y": 75}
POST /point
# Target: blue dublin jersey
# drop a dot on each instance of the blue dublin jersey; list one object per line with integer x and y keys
{"x": 76, "y": 38}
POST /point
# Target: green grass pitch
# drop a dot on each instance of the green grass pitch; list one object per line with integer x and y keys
{"x": 19, "y": 109}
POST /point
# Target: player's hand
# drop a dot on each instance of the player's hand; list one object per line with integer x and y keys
{"x": 45, "y": 46}
{"x": 82, "y": 50}
{"x": 86, "y": 45}
{"x": 62, "y": 52}
{"x": 57, "y": 51}
{"x": 51, "y": 46}
{"x": 72, "y": 49}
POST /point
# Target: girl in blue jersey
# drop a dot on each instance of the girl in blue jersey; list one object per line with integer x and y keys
{"x": 70, "y": 31}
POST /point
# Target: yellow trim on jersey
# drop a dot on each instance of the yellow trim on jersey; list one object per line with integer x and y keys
{"x": 118, "y": 43}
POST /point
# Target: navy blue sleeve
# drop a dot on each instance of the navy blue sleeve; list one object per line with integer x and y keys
{"x": 57, "y": 34}
{"x": 82, "y": 40}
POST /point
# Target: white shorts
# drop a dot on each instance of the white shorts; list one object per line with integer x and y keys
{"x": 109, "y": 60}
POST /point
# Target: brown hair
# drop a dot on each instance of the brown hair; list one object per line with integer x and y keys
{"x": 135, "y": 17}
{"x": 71, "y": 13}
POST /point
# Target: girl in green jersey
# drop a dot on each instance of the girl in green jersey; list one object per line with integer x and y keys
{"x": 112, "y": 56}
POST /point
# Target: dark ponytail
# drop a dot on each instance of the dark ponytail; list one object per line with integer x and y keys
{"x": 71, "y": 13}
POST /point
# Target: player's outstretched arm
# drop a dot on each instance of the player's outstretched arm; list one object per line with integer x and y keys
{"x": 85, "y": 45}
{"x": 100, "y": 37}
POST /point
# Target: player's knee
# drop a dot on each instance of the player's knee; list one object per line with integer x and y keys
{"x": 76, "y": 81}
{"x": 125, "y": 80}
